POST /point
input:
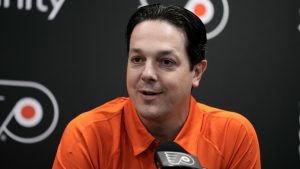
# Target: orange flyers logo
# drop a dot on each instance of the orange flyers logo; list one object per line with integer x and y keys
{"x": 214, "y": 14}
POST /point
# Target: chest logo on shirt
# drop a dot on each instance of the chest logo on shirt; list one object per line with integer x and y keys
{"x": 28, "y": 111}
{"x": 214, "y": 14}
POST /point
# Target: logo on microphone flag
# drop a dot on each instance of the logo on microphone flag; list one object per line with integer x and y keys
{"x": 176, "y": 158}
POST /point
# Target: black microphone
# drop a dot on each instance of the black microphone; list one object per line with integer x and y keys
{"x": 170, "y": 155}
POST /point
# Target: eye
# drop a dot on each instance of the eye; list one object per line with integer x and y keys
{"x": 136, "y": 59}
{"x": 167, "y": 62}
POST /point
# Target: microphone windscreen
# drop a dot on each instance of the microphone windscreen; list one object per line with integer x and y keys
{"x": 170, "y": 146}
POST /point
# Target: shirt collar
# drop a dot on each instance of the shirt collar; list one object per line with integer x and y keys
{"x": 139, "y": 136}
{"x": 188, "y": 136}
{"x": 141, "y": 139}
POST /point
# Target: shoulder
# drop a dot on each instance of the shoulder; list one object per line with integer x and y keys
{"x": 229, "y": 132}
{"x": 232, "y": 135}
{"x": 89, "y": 136}
{"x": 106, "y": 112}
{"x": 98, "y": 120}
{"x": 219, "y": 118}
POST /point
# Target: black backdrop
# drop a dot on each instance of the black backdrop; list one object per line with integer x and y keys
{"x": 79, "y": 56}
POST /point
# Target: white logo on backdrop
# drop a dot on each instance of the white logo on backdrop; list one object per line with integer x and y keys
{"x": 27, "y": 5}
{"x": 28, "y": 111}
{"x": 205, "y": 10}
{"x": 299, "y": 24}
{"x": 299, "y": 128}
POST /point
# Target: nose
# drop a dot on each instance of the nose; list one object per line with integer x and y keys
{"x": 149, "y": 73}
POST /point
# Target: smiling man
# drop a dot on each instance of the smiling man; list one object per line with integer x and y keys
{"x": 159, "y": 79}
{"x": 166, "y": 60}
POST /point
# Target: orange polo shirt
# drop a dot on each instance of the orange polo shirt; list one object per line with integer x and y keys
{"x": 113, "y": 137}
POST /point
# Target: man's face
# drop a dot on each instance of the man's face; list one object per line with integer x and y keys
{"x": 159, "y": 79}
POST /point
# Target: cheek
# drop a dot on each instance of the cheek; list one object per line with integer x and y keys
{"x": 179, "y": 80}
{"x": 182, "y": 87}
{"x": 131, "y": 78}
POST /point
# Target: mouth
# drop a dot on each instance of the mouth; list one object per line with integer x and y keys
{"x": 149, "y": 95}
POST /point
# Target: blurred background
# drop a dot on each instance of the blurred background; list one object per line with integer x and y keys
{"x": 59, "y": 58}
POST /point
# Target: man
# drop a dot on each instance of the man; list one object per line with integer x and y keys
{"x": 165, "y": 62}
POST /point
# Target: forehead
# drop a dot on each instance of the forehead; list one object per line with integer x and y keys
{"x": 159, "y": 23}
{"x": 157, "y": 32}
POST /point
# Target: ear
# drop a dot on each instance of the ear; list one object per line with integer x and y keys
{"x": 198, "y": 71}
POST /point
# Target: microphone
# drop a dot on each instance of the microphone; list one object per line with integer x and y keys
{"x": 170, "y": 155}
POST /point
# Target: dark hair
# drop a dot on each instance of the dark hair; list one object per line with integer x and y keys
{"x": 180, "y": 17}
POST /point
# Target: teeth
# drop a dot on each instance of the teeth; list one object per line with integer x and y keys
{"x": 149, "y": 93}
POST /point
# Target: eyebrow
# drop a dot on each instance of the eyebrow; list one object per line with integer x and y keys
{"x": 136, "y": 50}
{"x": 160, "y": 53}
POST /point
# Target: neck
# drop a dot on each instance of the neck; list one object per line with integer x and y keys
{"x": 165, "y": 129}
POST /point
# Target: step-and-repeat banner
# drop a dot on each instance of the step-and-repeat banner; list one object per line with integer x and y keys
{"x": 59, "y": 58}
